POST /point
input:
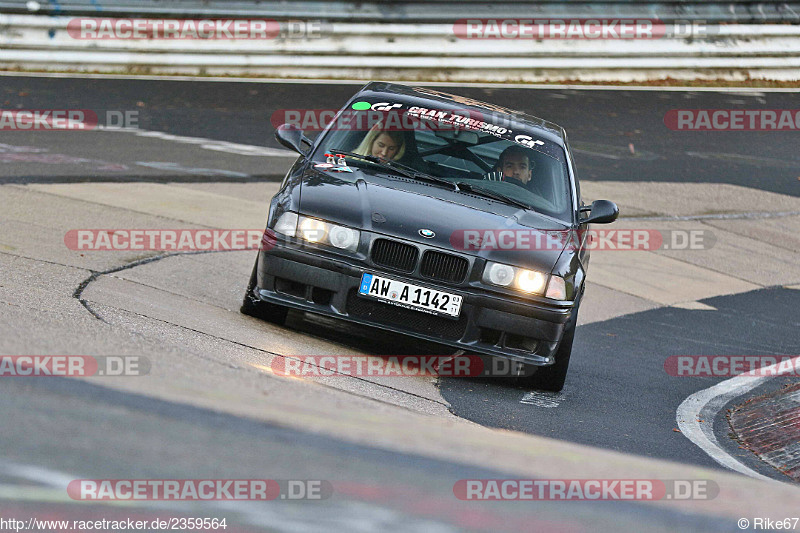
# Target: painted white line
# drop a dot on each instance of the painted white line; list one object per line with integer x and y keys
{"x": 207, "y": 144}
{"x": 547, "y": 400}
{"x": 742, "y": 91}
{"x": 719, "y": 216}
{"x": 695, "y": 416}
{"x": 177, "y": 167}
{"x": 19, "y": 493}
{"x": 45, "y": 476}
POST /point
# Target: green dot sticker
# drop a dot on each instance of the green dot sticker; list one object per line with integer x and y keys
{"x": 361, "y": 106}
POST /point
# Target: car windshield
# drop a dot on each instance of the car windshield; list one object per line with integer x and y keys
{"x": 480, "y": 157}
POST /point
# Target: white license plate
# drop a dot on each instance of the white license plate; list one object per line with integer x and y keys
{"x": 410, "y": 296}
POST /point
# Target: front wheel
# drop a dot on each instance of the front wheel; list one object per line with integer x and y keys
{"x": 552, "y": 378}
{"x": 255, "y": 307}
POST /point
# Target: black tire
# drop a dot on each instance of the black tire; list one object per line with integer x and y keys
{"x": 257, "y": 308}
{"x": 552, "y": 378}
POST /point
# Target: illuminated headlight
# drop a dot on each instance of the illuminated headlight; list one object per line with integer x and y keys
{"x": 313, "y": 230}
{"x": 317, "y": 231}
{"x": 530, "y": 281}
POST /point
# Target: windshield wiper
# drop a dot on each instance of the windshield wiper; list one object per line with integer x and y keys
{"x": 491, "y": 194}
{"x": 399, "y": 168}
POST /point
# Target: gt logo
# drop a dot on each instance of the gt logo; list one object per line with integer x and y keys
{"x": 527, "y": 141}
{"x": 384, "y": 106}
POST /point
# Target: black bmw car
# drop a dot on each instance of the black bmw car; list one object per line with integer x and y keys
{"x": 436, "y": 216}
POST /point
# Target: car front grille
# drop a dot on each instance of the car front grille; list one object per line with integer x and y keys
{"x": 409, "y": 319}
{"x": 395, "y": 255}
{"x": 443, "y": 267}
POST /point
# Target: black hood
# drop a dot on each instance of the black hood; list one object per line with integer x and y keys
{"x": 400, "y": 207}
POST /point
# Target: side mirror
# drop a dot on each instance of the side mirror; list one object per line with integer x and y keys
{"x": 292, "y": 137}
{"x": 602, "y": 212}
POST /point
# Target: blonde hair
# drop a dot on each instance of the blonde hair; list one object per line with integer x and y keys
{"x": 365, "y": 148}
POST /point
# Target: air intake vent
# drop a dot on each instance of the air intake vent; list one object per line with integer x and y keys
{"x": 444, "y": 267}
{"x": 395, "y": 255}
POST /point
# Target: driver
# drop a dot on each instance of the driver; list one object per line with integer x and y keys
{"x": 516, "y": 166}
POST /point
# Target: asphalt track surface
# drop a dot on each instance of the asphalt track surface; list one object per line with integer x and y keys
{"x": 602, "y": 124}
{"x": 618, "y": 396}
{"x": 619, "y": 356}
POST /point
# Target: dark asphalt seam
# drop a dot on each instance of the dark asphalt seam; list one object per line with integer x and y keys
{"x": 85, "y": 283}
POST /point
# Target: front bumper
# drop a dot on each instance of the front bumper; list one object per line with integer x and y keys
{"x": 309, "y": 279}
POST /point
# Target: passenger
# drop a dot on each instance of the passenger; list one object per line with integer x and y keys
{"x": 383, "y": 144}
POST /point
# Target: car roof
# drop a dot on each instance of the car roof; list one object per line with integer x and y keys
{"x": 424, "y": 97}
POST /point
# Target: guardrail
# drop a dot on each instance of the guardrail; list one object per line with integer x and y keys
{"x": 422, "y": 11}
{"x": 395, "y": 51}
